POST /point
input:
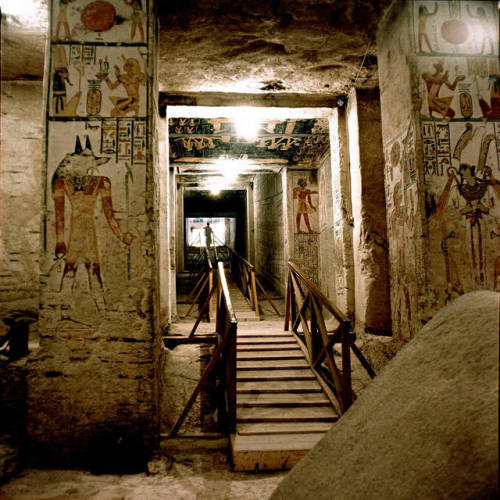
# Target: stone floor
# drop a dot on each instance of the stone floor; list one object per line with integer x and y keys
{"x": 190, "y": 471}
{"x": 183, "y": 476}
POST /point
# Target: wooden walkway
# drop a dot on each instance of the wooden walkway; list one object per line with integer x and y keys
{"x": 282, "y": 411}
{"x": 281, "y": 408}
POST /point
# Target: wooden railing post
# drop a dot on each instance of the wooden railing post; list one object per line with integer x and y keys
{"x": 288, "y": 302}
{"x": 231, "y": 378}
{"x": 304, "y": 306}
{"x": 346, "y": 366}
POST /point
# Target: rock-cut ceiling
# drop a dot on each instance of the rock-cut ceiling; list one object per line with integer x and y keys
{"x": 195, "y": 144}
{"x": 266, "y": 48}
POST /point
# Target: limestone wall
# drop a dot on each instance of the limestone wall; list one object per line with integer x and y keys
{"x": 21, "y": 163}
{"x": 269, "y": 229}
{"x": 95, "y": 380}
{"x": 441, "y": 128}
{"x": 327, "y": 253}
{"x": 370, "y": 248}
{"x": 343, "y": 265}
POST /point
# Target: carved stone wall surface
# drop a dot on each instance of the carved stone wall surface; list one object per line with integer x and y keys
{"x": 94, "y": 381}
{"x": 441, "y": 151}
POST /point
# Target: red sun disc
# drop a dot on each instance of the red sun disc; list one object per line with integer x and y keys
{"x": 98, "y": 16}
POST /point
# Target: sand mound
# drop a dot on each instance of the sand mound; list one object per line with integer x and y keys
{"x": 427, "y": 426}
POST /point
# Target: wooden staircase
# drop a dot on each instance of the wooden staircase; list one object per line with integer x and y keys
{"x": 282, "y": 411}
{"x": 241, "y": 307}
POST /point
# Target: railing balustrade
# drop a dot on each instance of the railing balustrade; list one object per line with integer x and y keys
{"x": 243, "y": 273}
{"x": 224, "y": 357}
{"x": 203, "y": 285}
{"x": 304, "y": 307}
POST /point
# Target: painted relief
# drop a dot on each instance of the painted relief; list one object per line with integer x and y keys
{"x": 461, "y": 79}
{"x": 455, "y": 27}
{"x": 104, "y": 21}
{"x": 94, "y": 81}
{"x": 303, "y": 193}
{"x": 457, "y": 89}
{"x": 402, "y": 227}
{"x": 463, "y": 207}
{"x": 291, "y": 142}
{"x": 92, "y": 221}
{"x": 304, "y": 206}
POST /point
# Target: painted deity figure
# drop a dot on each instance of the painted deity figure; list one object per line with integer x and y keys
{"x": 434, "y": 81}
{"x": 304, "y": 205}
{"x": 131, "y": 80}
{"x": 62, "y": 19}
{"x": 485, "y": 28}
{"x": 61, "y": 105}
{"x": 137, "y": 16}
{"x": 472, "y": 183}
{"x": 402, "y": 226}
{"x": 423, "y": 16}
{"x": 75, "y": 180}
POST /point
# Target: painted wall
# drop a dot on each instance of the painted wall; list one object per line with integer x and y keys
{"x": 442, "y": 163}
{"x": 20, "y": 205}
{"x": 327, "y": 253}
{"x": 95, "y": 375}
{"x": 269, "y": 229}
{"x": 303, "y": 221}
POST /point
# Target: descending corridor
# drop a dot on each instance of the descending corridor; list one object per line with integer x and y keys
{"x": 282, "y": 409}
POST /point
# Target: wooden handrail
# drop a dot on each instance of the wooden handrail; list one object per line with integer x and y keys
{"x": 304, "y": 303}
{"x": 203, "y": 286}
{"x": 249, "y": 282}
{"x": 224, "y": 357}
{"x": 339, "y": 315}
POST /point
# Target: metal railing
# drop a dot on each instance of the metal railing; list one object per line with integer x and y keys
{"x": 304, "y": 307}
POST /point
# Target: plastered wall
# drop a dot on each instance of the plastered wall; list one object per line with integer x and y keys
{"x": 269, "y": 229}
{"x": 20, "y": 204}
{"x": 327, "y": 254}
{"x": 441, "y": 136}
{"x": 370, "y": 247}
{"x": 95, "y": 377}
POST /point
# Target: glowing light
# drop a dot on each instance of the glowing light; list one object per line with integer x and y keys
{"x": 230, "y": 168}
{"x": 247, "y": 123}
{"x": 19, "y": 8}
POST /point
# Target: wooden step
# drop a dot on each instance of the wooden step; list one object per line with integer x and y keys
{"x": 264, "y": 341}
{"x": 249, "y": 375}
{"x": 272, "y": 364}
{"x": 273, "y": 387}
{"x": 283, "y": 428}
{"x": 266, "y": 355}
{"x": 255, "y": 415}
{"x": 265, "y": 335}
{"x": 270, "y": 452}
{"x": 284, "y": 397}
{"x": 292, "y": 403}
{"x": 267, "y": 347}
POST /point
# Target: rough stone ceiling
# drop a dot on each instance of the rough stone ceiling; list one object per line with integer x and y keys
{"x": 292, "y": 46}
{"x": 297, "y": 46}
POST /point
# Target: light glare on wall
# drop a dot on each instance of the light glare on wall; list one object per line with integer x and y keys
{"x": 229, "y": 168}
{"x": 18, "y": 8}
{"x": 247, "y": 124}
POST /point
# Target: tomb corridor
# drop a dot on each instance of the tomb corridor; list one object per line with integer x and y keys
{"x": 223, "y": 227}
